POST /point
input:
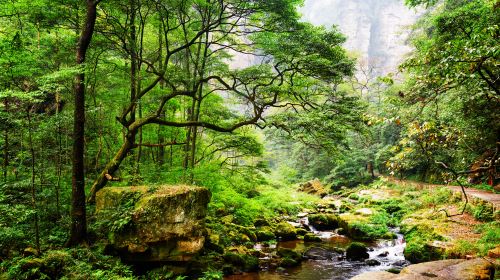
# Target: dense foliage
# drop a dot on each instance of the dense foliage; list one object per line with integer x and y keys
{"x": 238, "y": 96}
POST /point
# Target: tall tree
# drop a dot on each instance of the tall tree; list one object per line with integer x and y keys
{"x": 199, "y": 39}
{"x": 78, "y": 232}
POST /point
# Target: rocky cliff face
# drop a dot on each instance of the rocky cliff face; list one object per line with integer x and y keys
{"x": 376, "y": 29}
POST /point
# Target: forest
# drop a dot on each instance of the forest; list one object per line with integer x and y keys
{"x": 231, "y": 139}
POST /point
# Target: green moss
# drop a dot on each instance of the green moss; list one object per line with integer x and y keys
{"x": 324, "y": 221}
{"x": 288, "y": 262}
{"x": 311, "y": 237}
{"x": 285, "y": 231}
{"x": 289, "y": 253}
{"x": 67, "y": 264}
{"x": 264, "y": 235}
{"x": 357, "y": 251}
{"x": 482, "y": 211}
{"x": 244, "y": 262}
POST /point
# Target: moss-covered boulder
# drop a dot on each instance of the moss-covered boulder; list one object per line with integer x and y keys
{"x": 324, "y": 221}
{"x": 285, "y": 231}
{"x": 147, "y": 224}
{"x": 265, "y": 235}
{"x": 313, "y": 187}
{"x": 241, "y": 262}
{"x": 362, "y": 228}
{"x": 289, "y": 257}
{"x": 311, "y": 237}
{"x": 357, "y": 251}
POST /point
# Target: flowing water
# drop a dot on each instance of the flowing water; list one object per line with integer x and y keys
{"x": 388, "y": 253}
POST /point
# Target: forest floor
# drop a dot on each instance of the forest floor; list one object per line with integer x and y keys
{"x": 485, "y": 195}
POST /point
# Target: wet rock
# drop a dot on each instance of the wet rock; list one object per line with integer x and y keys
{"x": 372, "y": 262}
{"x": 289, "y": 257}
{"x": 243, "y": 262}
{"x": 324, "y": 221}
{"x": 280, "y": 270}
{"x": 401, "y": 263}
{"x": 294, "y": 224}
{"x": 317, "y": 253}
{"x": 287, "y": 262}
{"x": 302, "y": 215}
{"x": 301, "y": 232}
{"x": 430, "y": 251}
{"x": 383, "y": 254}
{"x": 166, "y": 223}
{"x": 357, "y": 251}
{"x": 341, "y": 231}
{"x": 455, "y": 269}
{"x": 285, "y": 231}
{"x": 311, "y": 237}
{"x": 394, "y": 270}
{"x": 313, "y": 187}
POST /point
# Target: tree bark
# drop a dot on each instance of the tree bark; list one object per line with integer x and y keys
{"x": 113, "y": 165}
{"x": 33, "y": 187}
{"x": 78, "y": 233}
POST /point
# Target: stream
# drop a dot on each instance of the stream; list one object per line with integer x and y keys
{"x": 324, "y": 262}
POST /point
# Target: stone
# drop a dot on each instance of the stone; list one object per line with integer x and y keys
{"x": 364, "y": 211}
{"x": 311, "y": 237}
{"x": 313, "y": 187}
{"x": 243, "y": 262}
{"x": 357, "y": 251}
{"x": 294, "y": 224}
{"x": 324, "y": 221}
{"x": 287, "y": 262}
{"x": 430, "y": 251}
{"x": 301, "y": 231}
{"x": 383, "y": 254}
{"x": 285, "y": 231}
{"x": 165, "y": 223}
{"x": 454, "y": 269}
{"x": 317, "y": 253}
{"x": 494, "y": 253}
{"x": 372, "y": 262}
{"x": 302, "y": 215}
{"x": 264, "y": 235}
{"x": 289, "y": 253}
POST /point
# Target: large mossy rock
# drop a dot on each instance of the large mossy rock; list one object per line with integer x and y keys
{"x": 324, "y": 221}
{"x": 357, "y": 251}
{"x": 457, "y": 269}
{"x": 313, "y": 187}
{"x": 154, "y": 224}
{"x": 285, "y": 231}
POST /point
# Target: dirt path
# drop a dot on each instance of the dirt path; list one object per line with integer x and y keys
{"x": 488, "y": 196}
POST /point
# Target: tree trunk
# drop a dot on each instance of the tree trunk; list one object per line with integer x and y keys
{"x": 78, "y": 234}
{"x": 6, "y": 147}
{"x": 161, "y": 137}
{"x": 33, "y": 188}
{"x": 113, "y": 165}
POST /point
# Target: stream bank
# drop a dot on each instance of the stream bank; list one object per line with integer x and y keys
{"x": 372, "y": 215}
